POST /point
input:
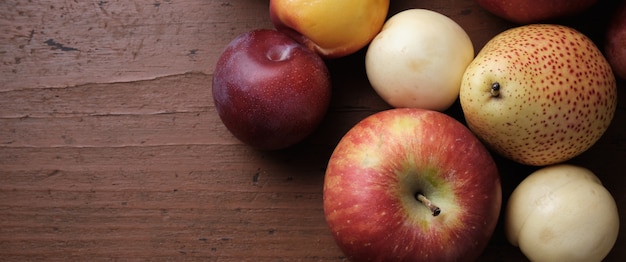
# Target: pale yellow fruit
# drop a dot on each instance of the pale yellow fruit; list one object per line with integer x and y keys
{"x": 557, "y": 94}
{"x": 562, "y": 213}
{"x": 331, "y": 28}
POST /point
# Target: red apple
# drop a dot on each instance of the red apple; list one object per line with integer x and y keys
{"x": 270, "y": 91}
{"x": 532, "y": 11}
{"x": 411, "y": 184}
{"x": 615, "y": 45}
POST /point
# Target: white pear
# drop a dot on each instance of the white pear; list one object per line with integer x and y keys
{"x": 562, "y": 213}
{"x": 417, "y": 60}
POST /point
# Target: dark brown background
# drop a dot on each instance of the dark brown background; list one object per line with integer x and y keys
{"x": 110, "y": 146}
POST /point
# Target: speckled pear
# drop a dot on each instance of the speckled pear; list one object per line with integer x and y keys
{"x": 539, "y": 94}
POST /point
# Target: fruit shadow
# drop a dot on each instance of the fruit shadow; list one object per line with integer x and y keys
{"x": 352, "y": 100}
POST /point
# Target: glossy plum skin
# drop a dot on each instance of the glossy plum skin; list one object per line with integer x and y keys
{"x": 270, "y": 91}
{"x": 532, "y": 11}
{"x": 615, "y": 45}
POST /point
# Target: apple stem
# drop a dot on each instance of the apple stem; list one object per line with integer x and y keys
{"x": 435, "y": 209}
{"x": 495, "y": 89}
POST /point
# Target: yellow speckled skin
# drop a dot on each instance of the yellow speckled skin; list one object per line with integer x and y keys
{"x": 557, "y": 94}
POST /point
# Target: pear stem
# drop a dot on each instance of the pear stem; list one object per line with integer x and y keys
{"x": 433, "y": 208}
{"x": 495, "y": 89}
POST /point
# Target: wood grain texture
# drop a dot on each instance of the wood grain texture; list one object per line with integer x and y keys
{"x": 66, "y": 43}
{"x": 110, "y": 146}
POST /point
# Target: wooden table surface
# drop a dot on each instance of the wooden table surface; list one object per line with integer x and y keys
{"x": 111, "y": 148}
